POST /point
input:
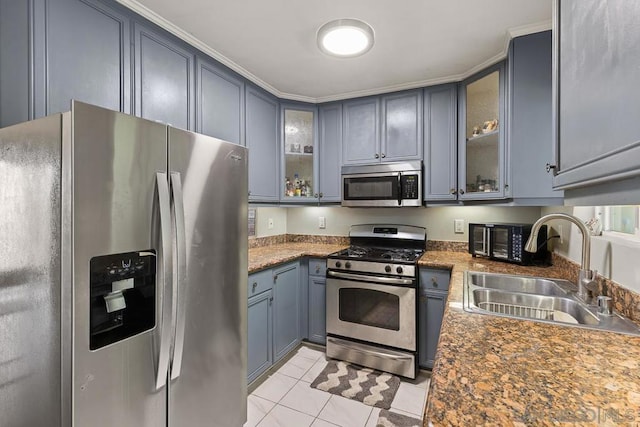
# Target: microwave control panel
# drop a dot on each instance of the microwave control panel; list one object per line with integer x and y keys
{"x": 409, "y": 184}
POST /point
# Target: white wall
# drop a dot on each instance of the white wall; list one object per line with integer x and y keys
{"x": 615, "y": 258}
{"x": 437, "y": 220}
{"x": 279, "y": 216}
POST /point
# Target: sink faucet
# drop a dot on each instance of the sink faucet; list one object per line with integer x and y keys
{"x": 586, "y": 277}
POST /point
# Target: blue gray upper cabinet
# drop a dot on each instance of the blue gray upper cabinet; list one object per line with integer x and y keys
{"x": 51, "y": 54}
{"x": 262, "y": 142}
{"x": 598, "y": 102}
{"x": 87, "y": 56}
{"x": 361, "y": 136}
{"x": 401, "y": 126}
{"x": 330, "y": 146}
{"x": 440, "y": 160}
{"x": 531, "y": 120}
{"x": 481, "y": 136}
{"x": 220, "y": 103}
{"x": 164, "y": 76}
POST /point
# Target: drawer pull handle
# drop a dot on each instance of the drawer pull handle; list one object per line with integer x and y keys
{"x": 254, "y": 286}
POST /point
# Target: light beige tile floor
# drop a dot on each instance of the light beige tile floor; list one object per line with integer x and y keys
{"x": 286, "y": 399}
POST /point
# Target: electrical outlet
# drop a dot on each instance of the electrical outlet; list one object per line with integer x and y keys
{"x": 270, "y": 224}
{"x": 458, "y": 225}
{"x": 322, "y": 222}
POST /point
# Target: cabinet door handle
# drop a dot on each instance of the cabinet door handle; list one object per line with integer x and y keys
{"x": 321, "y": 196}
{"x": 271, "y": 301}
{"x": 550, "y": 167}
{"x": 461, "y": 191}
{"x": 453, "y": 191}
{"x": 315, "y": 195}
{"x": 254, "y": 286}
{"x": 377, "y": 156}
{"x": 383, "y": 155}
{"x": 275, "y": 278}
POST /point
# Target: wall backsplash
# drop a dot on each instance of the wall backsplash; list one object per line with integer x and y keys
{"x": 437, "y": 220}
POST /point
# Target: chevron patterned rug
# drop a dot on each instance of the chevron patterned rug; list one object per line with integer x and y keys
{"x": 370, "y": 387}
{"x": 391, "y": 419}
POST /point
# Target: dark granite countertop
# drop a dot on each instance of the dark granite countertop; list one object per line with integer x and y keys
{"x": 269, "y": 256}
{"x": 506, "y": 372}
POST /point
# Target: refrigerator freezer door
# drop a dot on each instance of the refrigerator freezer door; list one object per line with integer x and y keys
{"x": 210, "y": 388}
{"x": 115, "y": 161}
{"x": 30, "y": 274}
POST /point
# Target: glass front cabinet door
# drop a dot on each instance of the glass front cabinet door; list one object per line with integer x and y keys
{"x": 299, "y": 136}
{"x": 481, "y": 145}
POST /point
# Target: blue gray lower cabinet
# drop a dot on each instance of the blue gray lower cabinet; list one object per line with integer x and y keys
{"x": 273, "y": 323}
{"x": 317, "y": 309}
{"x": 317, "y": 301}
{"x": 260, "y": 334}
{"x": 430, "y": 312}
{"x": 285, "y": 309}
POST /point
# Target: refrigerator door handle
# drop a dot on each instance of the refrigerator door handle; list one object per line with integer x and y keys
{"x": 164, "y": 329}
{"x": 179, "y": 277}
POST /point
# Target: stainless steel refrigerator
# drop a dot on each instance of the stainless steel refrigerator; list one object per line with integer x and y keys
{"x": 123, "y": 269}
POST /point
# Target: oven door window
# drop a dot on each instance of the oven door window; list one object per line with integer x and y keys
{"x": 369, "y": 307}
{"x": 371, "y": 188}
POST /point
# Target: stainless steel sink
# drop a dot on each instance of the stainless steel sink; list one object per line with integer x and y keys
{"x": 540, "y": 307}
{"x": 526, "y": 284}
{"x": 539, "y": 299}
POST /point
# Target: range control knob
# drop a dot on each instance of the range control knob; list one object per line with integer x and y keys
{"x": 347, "y": 264}
{"x": 338, "y": 264}
{"x": 387, "y": 269}
{"x": 399, "y": 270}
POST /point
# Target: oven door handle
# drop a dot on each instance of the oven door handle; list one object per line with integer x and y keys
{"x": 385, "y": 280}
{"x": 355, "y": 347}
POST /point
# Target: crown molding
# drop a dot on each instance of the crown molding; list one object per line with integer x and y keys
{"x": 147, "y": 13}
{"x": 189, "y": 38}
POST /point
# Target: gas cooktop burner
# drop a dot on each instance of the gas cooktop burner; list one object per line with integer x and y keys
{"x": 380, "y": 254}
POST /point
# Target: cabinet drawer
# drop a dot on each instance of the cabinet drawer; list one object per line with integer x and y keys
{"x": 434, "y": 279}
{"x": 259, "y": 282}
{"x": 317, "y": 267}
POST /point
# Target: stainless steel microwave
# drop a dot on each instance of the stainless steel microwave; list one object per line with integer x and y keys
{"x": 385, "y": 185}
{"x": 505, "y": 242}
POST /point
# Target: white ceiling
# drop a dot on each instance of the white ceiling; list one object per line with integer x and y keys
{"x": 417, "y": 42}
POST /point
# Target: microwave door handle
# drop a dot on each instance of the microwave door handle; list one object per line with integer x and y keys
{"x": 399, "y": 189}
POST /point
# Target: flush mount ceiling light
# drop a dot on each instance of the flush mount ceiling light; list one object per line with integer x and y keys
{"x": 345, "y": 38}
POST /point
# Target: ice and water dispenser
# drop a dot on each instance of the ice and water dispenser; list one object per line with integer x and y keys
{"x": 122, "y": 296}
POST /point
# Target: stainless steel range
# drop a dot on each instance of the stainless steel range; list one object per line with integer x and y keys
{"x": 371, "y": 298}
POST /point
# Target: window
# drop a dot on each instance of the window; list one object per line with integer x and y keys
{"x": 621, "y": 219}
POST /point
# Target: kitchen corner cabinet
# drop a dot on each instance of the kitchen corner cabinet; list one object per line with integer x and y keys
{"x": 531, "y": 120}
{"x": 164, "y": 79}
{"x": 262, "y": 142}
{"x": 383, "y": 129}
{"x": 481, "y": 136}
{"x": 440, "y": 154}
{"x": 330, "y": 151}
{"x": 220, "y": 103}
{"x": 286, "y": 310}
{"x": 273, "y": 323}
{"x": 434, "y": 285}
{"x": 299, "y": 159}
{"x": 77, "y": 49}
{"x": 317, "y": 301}
{"x": 598, "y": 94}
